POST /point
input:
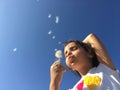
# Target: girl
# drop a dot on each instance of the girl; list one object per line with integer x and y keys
{"x": 91, "y": 61}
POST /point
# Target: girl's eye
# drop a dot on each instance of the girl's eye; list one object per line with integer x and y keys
{"x": 74, "y": 48}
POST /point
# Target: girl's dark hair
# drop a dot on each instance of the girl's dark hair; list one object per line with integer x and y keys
{"x": 87, "y": 48}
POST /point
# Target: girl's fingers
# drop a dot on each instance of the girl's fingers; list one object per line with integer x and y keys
{"x": 57, "y": 66}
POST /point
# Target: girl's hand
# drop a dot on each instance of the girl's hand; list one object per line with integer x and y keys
{"x": 56, "y": 72}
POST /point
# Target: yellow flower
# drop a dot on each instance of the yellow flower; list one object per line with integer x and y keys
{"x": 92, "y": 81}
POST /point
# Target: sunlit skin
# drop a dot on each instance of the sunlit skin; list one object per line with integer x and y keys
{"x": 77, "y": 58}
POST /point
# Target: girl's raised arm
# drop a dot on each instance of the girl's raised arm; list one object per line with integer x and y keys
{"x": 100, "y": 50}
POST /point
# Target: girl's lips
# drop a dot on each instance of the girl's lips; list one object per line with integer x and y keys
{"x": 70, "y": 59}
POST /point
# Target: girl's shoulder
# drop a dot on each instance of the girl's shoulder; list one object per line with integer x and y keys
{"x": 106, "y": 70}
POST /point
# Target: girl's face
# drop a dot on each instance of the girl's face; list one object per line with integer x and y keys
{"x": 76, "y": 56}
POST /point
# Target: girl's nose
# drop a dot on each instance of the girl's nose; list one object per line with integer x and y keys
{"x": 68, "y": 53}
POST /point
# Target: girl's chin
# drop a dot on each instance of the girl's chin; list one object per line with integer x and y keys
{"x": 72, "y": 64}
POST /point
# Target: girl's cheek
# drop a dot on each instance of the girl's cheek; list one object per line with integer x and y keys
{"x": 67, "y": 63}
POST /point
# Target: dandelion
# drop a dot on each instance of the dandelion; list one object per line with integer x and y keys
{"x": 58, "y": 54}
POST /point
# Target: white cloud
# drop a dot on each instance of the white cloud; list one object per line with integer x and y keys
{"x": 49, "y": 16}
{"x": 15, "y": 49}
{"x": 56, "y": 19}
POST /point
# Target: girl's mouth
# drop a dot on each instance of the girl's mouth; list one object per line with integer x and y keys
{"x": 70, "y": 59}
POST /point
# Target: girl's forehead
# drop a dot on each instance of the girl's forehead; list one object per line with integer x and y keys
{"x": 69, "y": 45}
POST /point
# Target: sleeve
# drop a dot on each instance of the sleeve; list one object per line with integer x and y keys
{"x": 108, "y": 70}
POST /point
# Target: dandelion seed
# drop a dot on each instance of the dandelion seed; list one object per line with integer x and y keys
{"x": 50, "y": 32}
{"x": 37, "y": 0}
{"x": 56, "y": 19}
{"x": 15, "y": 49}
{"x": 59, "y": 42}
{"x": 49, "y": 16}
{"x": 53, "y": 37}
{"x": 55, "y": 49}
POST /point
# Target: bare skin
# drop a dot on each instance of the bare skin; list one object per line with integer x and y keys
{"x": 78, "y": 59}
{"x": 100, "y": 50}
{"x": 56, "y": 73}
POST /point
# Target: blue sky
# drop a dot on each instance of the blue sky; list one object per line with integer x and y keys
{"x": 27, "y": 50}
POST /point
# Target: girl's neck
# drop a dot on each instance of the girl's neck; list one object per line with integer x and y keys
{"x": 84, "y": 70}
